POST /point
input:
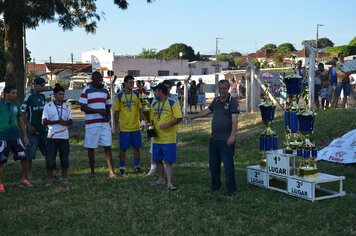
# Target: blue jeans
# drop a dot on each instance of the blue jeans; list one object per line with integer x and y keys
{"x": 36, "y": 140}
{"x": 219, "y": 152}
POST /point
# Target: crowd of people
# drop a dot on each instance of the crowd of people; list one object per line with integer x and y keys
{"x": 38, "y": 124}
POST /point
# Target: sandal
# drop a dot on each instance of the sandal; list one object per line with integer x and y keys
{"x": 158, "y": 183}
{"x": 172, "y": 188}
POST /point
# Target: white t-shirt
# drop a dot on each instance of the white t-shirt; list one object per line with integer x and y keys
{"x": 53, "y": 112}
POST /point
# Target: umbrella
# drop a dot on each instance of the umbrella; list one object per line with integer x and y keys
{"x": 267, "y": 75}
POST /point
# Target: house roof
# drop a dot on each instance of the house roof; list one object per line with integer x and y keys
{"x": 33, "y": 67}
{"x": 57, "y": 68}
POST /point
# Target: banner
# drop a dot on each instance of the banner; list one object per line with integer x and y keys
{"x": 340, "y": 150}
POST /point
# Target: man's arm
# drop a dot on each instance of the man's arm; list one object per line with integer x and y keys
{"x": 22, "y": 129}
{"x": 232, "y": 137}
{"x": 201, "y": 114}
{"x": 170, "y": 123}
{"x": 89, "y": 110}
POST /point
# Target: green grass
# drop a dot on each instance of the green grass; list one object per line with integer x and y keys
{"x": 130, "y": 205}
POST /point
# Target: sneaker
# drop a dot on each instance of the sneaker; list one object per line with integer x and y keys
{"x": 137, "y": 170}
{"x": 66, "y": 182}
{"x": 92, "y": 176}
{"x": 49, "y": 183}
{"x": 2, "y": 188}
{"x": 152, "y": 171}
{"x": 122, "y": 171}
{"x": 25, "y": 183}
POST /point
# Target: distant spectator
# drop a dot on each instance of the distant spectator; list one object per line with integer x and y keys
{"x": 233, "y": 87}
{"x": 201, "y": 94}
{"x": 320, "y": 75}
{"x": 192, "y": 97}
{"x": 179, "y": 91}
{"x": 332, "y": 79}
{"x": 343, "y": 83}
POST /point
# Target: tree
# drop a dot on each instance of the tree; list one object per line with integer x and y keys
{"x": 148, "y": 53}
{"x": 19, "y": 14}
{"x": 235, "y": 54}
{"x": 322, "y": 43}
{"x": 269, "y": 47}
{"x": 286, "y": 48}
{"x": 2, "y": 58}
{"x": 325, "y": 42}
{"x": 175, "y": 50}
{"x": 353, "y": 42}
{"x": 226, "y": 57}
{"x": 311, "y": 42}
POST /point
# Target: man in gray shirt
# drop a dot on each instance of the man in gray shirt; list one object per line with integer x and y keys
{"x": 222, "y": 143}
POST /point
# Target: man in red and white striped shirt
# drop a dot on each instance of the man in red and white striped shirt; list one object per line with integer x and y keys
{"x": 95, "y": 102}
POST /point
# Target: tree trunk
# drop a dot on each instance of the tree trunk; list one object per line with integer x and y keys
{"x": 13, "y": 42}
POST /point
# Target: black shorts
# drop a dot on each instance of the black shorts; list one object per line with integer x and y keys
{"x": 15, "y": 146}
{"x": 62, "y": 147}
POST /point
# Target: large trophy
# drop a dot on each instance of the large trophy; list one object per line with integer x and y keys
{"x": 146, "y": 109}
{"x": 268, "y": 138}
{"x": 293, "y": 84}
{"x": 306, "y": 152}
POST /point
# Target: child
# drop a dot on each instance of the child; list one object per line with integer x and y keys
{"x": 324, "y": 93}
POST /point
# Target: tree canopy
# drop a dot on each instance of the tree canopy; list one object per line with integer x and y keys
{"x": 322, "y": 43}
{"x": 286, "y": 48}
{"x": 352, "y": 42}
{"x": 177, "y": 51}
{"x": 19, "y": 14}
{"x": 148, "y": 53}
{"x": 269, "y": 47}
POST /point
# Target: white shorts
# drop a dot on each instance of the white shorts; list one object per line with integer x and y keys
{"x": 97, "y": 135}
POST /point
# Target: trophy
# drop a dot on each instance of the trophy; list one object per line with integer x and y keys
{"x": 293, "y": 84}
{"x": 146, "y": 109}
{"x": 268, "y": 138}
{"x": 307, "y": 151}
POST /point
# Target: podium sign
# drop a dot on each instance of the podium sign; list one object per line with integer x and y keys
{"x": 300, "y": 188}
{"x": 278, "y": 164}
{"x": 257, "y": 177}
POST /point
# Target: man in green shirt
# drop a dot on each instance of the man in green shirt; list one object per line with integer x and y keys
{"x": 11, "y": 125}
{"x": 32, "y": 109}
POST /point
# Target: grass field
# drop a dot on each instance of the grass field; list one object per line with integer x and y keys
{"x": 130, "y": 205}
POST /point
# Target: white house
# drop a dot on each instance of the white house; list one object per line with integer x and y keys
{"x": 102, "y": 58}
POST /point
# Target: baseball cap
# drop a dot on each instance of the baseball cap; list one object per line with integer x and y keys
{"x": 39, "y": 80}
{"x": 161, "y": 87}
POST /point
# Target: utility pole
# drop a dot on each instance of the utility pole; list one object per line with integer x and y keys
{"x": 317, "y": 38}
{"x": 217, "y": 66}
{"x": 50, "y": 63}
{"x": 217, "y": 47}
{"x": 71, "y": 58}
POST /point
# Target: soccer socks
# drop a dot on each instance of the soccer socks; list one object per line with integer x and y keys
{"x": 136, "y": 162}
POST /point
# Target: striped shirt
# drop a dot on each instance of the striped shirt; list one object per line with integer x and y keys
{"x": 95, "y": 99}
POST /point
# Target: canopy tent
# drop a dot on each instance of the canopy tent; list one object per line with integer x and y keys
{"x": 340, "y": 150}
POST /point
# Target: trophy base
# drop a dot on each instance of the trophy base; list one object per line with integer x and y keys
{"x": 288, "y": 151}
{"x": 307, "y": 171}
{"x": 263, "y": 163}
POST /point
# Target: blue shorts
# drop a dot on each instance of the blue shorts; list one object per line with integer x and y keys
{"x": 36, "y": 141}
{"x": 127, "y": 139}
{"x": 164, "y": 152}
{"x": 342, "y": 86}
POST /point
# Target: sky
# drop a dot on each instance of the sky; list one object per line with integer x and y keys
{"x": 243, "y": 26}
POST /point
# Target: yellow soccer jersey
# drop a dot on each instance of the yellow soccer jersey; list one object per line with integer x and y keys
{"x": 128, "y": 106}
{"x": 164, "y": 112}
